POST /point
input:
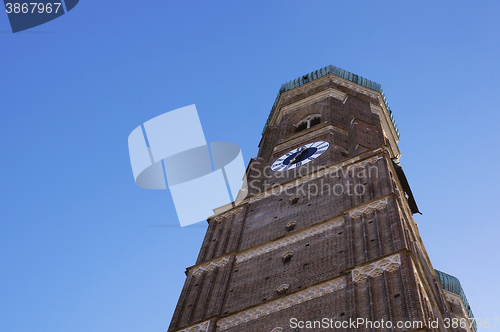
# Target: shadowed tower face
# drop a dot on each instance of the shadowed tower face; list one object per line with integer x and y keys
{"x": 323, "y": 235}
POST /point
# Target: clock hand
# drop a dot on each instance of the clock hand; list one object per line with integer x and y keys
{"x": 302, "y": 151}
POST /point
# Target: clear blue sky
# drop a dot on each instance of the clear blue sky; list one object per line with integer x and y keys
{"x": 77, "y": 249}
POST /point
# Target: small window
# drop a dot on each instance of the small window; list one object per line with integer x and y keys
{"x": 315, "y": 121}
{"x": 308, "y": 122}
{"x": 301, "y": 127}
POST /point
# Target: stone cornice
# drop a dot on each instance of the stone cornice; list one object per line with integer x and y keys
{"x": 229, "y": 213}
{"x": 360, "y": 158}
{"x": 315, "y": 175}
{"x": 329, "y": 92}
{"x": 282, "y": 303}
{"x": 210, "y": 265}
{"x": 375, "y": 269}
{"x": 302, "y": 137}
{"x": 201, "y": 327}
{"x": 290, "y": 239}
{"x": 368, "y": 207}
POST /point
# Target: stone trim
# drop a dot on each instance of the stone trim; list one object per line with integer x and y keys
{"x": 309, "y": 177}
{"x": 453, "y": 298}
{"x": 289, "y": 239}
{"x": 317, "y": 132}
{"x": 419, "y": 281}
{"x": 282, "y": 303}
{"x": 209, "y": 266}
{"x": 202, "y": 327}
{"x": 335, "y": 79}
{"x": 330, "y": 92}
{"x": 365, "y": 162}
{"x": 380, "y": 109}
{"x": 292, "y": 237}
{"x": 387, "y": 127}
{"x": 228, "y": 214}
{"x": 354, "y": 87}
{"x": 263, "y": 249}
{"x": 376, "y": 269}
{"x": 368, "y": 208}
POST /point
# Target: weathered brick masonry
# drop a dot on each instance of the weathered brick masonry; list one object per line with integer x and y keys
{"x": 308, "y": 253}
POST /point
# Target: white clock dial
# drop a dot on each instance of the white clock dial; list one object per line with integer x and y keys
{"x": 300, "y": 156}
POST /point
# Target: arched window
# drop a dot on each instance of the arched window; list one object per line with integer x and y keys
{"x": 308, "y": 122}
{"x": 315, "y": 121}
{"x": 301, "y": 126}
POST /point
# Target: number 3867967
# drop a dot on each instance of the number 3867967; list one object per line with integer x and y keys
{"x": 32, "y": 7}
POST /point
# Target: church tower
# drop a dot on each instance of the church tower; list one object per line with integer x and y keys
{"x": 323, "y": 237}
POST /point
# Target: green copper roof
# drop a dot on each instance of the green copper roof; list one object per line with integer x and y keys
{"x": 451, "y": 284}
{"x": 336, "y": 71}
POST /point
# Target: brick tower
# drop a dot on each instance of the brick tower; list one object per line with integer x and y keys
{"x": 324, "y": 235}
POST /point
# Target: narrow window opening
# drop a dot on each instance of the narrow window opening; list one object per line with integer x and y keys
{"x": 315, "y": 121}
{"x": 301, "y": 127}
{"x": 308, "y": 122}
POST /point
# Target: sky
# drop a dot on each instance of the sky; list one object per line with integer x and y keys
{"x": 82, "y": 248}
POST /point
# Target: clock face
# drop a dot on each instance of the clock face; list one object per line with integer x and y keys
{"x": 300, "y": 156}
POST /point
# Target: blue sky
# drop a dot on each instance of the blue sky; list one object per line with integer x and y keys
{"x": 77, "y": 247}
